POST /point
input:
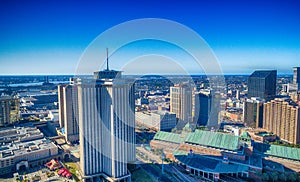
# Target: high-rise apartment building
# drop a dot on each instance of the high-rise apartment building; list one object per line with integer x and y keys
{"x": 296, "y": 76}
{"x": 107, "y": 127}
{"x": 295, "y": 85}
{"x": 9, "y": 110}
{"x": 262, "y": 84}
{"x": 61, "y": 116}
{"x": 253, "y": 112}
{"x": 281, "y": 116}
{"x": 181, "y": 102}
{"x": 68, "y": 111}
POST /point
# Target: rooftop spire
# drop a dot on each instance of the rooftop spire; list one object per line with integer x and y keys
{"x": 107, "y": 68}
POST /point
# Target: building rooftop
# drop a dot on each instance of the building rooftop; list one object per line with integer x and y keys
{"x": 213, "y": 139}
{"x": 169, "y": 137}
{"x": 204, "y": 138}
{"x": 261, "y": 73}
{"x": 22, "y": 140}
{"x": 21, "y": 148}
{"x": 209, "y": 165}
{"x": 19, "y": 134}
{"x": 277, "y": 151}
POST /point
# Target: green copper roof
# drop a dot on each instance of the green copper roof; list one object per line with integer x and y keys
{"x": 200, "y": 137}
{"x": 278, "y": 151}
{"x": 199, "y": 162}
{"x": 213, "y": 139}
{"x": 168, "y": 136}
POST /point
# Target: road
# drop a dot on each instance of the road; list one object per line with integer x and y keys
{"x": 171, "y": 171}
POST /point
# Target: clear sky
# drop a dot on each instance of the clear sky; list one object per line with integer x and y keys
{"x": 49, "y": 36}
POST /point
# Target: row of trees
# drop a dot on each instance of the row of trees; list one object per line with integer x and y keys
{"x": 276, "y": 176}
{"x": 278, "y": 142}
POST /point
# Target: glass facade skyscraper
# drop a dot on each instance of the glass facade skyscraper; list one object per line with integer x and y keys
{"x": 262, "y": 84}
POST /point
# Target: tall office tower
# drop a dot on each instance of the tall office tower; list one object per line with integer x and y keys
{"x": 296, "y": 77}
{"x": 61, "y": 116}
{"x": 68, "y": 111}
{"x": 295, "y": 85}
{"x": 281, "y": 116}
{"x": 107, "y": 128}
{"x": 207, "y": 107}
{"x": 253, "y": 112}
{"x": 9, "y": 110}
{"x": 181, "y": 102}
{"x": 238, "y": 95}
{"x": 262, "y": 84}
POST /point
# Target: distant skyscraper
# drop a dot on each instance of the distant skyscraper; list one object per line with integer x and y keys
{"x": 61, "y": 116}
{"x": 281, "y": 116}
{"x": 238, "y": 95}
{"x": 295, "y": 85}
{"x": 107, "y": 128}
{"x": 262, "y": 84}
{"x": 202, "y": 108}
{"x": 181, "y": 102}
{"x": 9, "y": 110}
{"x": 253, "y": 112}
{"x": 296, "y": 77}
{"x": 207, "y": 106}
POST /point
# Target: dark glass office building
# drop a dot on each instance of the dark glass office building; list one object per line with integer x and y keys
{"x": 262, "y": 84}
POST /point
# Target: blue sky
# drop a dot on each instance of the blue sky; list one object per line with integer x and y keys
{"x": 49, "y": 37}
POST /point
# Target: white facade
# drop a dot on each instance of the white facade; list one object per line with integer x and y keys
{"x": 68, "y": 111}
{"x": 159, "y": 120}
{"x": 71, "y": 113}
{"x": 106, "y": 122}
{"x": 181, "y": 102}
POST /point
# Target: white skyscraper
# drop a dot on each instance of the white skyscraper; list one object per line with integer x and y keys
{"x": 107, "y": 127}
{"x": 181, "y": 102}
{"x": 68, "y": 111}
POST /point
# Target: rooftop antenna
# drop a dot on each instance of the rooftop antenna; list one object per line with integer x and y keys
{"x": 107, "y": 68}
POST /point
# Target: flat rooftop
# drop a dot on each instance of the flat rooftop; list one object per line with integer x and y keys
{"x": 18, "y": 141}
{"x": 203, "y": 163}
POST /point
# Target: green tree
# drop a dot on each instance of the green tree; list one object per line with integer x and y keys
{"x": 274, "y": 176}
{"x": 292, "y": 176}
{"x": 265, "y": 177}
{"x": 282, "y": 177}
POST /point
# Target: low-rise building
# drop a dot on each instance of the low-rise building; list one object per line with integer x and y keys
{"x": 24, "y": 147}
{"x": 158, "y": 120}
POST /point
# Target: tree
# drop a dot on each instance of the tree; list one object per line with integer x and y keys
{"x": 282, "y": 177}
{"x": 265, "y": 177}
{"x": 292, "y": 176}
{"x": 274, "y": 176}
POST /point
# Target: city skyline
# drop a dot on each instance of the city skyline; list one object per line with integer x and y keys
{"x": 38, "y": 36}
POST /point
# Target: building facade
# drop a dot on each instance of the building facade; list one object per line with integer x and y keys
{"x": 9, "y": 110}
{"x": 281, "y": 116}
{"x": 24, "y": 147}
{"x": 181, "y": 102}
{"x": 262, "y": 84}
{"x": 107, "y": 128}
{"x": 207, "y": 107}
{"x": 253, "y": 112}
{"x": 61, "y": 116}
{"x": 68, "y": 111}
{"x": 295, "y": 85}
{"x": 158, "y": 120}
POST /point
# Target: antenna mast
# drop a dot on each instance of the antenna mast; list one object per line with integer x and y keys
{"x": 107, "y": 68}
